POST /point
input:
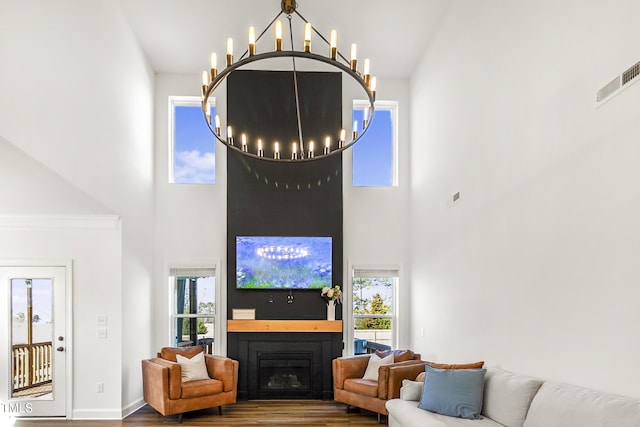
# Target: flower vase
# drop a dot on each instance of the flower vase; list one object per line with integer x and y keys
{"x": 331, "y": 310}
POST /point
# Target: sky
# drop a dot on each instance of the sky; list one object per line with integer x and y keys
{"x": 194, "y": 148}
{"x": 41, "y": 292}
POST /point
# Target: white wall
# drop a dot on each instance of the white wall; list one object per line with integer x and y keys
{"x": 191, "y": 227}
{"x": 46, "y": 219}
{"x": 77, "y": 97}
{"x": 376, "y": 219}
{"x": 535, "y": 268}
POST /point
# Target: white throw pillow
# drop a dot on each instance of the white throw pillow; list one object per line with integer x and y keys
{"x": 411, "y": 390}
{"x": 194, "y": 368}
{"x": 374, "y": 363}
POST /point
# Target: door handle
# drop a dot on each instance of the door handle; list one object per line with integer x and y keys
{"x": 60, "y": 349}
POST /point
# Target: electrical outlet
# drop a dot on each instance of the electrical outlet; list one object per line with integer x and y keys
{"x": 101, "y": 320}
{"x": 99, "y": 387}
{"x": 101, "y": 333}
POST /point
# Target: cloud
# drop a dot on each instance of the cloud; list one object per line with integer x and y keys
{"x": 194, "y": 167}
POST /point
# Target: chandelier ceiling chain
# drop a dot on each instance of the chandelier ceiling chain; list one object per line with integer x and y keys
{"x": 211, "y": 80}
{"x": 295, "y": 85}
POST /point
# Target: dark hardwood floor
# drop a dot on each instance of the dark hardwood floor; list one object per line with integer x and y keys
{"x": 316, "y": 413}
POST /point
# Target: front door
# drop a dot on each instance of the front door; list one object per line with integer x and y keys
{"x": 33, "y": 345}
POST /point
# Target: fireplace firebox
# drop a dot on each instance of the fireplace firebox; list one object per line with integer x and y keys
{"x": 284, "y": 375}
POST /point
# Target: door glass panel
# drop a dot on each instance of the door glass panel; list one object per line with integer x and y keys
{"x": 31, "y": 338}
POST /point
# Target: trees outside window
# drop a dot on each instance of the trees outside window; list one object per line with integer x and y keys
{"x": 373, "y": 305}
{"x": 194, "y": 306}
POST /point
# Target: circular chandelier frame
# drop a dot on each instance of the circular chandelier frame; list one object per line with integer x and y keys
{"x": 366, "y": 82}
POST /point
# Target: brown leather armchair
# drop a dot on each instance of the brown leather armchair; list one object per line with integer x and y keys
{"x": 351, "y": 389}
{"x": 166, "y": 393}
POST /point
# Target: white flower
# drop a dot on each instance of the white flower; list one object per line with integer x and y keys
{"x": 330, "y": 293}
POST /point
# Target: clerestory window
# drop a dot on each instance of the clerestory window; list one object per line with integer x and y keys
{"x": 192, "y": 154}
{"x": 375, "y": 154}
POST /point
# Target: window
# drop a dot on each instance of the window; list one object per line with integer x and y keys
{"x": 374, "y": 309}
{"x": 192, "y": 156}
{"x": 193, "y": 306}
{"x": 374, "y": 156}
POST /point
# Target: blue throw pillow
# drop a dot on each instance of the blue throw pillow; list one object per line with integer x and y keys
{"x": 453, "y": 392}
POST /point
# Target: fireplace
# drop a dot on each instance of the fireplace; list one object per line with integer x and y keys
{"x": 292, "y": 365}
{"x": 284, "y": 375}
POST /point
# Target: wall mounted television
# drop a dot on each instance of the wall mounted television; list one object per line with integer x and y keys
{"x": 283, "y": 262}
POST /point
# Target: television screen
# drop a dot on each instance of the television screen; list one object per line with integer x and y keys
{"x": 283, "y": 262}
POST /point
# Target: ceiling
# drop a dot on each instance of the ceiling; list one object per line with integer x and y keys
{"x": 179, "y": 35}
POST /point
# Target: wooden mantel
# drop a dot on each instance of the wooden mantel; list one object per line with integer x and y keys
{"x": 284, "y": 325}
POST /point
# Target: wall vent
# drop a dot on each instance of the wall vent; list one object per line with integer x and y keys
{"x": 608, "y": 90}
{"x": 631, "y": 73}
{"x": 618, "y": 84}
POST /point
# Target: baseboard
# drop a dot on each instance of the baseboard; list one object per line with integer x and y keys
{"x": 97, "y": 414}
{"x": 132, "y": 407}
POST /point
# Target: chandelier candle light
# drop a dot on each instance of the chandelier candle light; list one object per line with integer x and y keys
{"x": 213, "y": 78}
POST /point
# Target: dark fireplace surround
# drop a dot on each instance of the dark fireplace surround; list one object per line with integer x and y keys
{"x": 306, "y": 202}
{"x": 286, "y": 365}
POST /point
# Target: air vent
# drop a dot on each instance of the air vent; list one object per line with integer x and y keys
{"x": 631, "y": 73}
{"x": 619, "y": 84}
{"x": 609, "y": 89}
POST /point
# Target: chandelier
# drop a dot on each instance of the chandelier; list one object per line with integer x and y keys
{"x": 336, "y": 140}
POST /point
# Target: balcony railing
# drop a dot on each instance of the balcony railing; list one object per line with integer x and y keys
{"x": 31, "y": 365}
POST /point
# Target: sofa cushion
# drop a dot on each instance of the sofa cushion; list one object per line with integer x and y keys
{"x": 507, "y": 396}
{"x": 201, "y": 388}
{"x": 398, "y": 355}
{"x": 453, "y": 392}
{"x": 405, "y": 413}
{"x": 559, "y": 405}
{"x": 360, "y": 386}
{"x": 374, "y": 364}
{"x": 194, "y": 368}
{"x": 411, "y": 390}
{"x": 476, "y": 365}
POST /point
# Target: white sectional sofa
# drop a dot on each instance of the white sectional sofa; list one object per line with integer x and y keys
{"x": 514, "y": 400}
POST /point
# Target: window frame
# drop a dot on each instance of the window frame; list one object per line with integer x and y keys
{"x": 194, "y": 271}
{"x": 184, "y": 101}
{"x": 391, "y": 271}
{"x": 386, "y": 105}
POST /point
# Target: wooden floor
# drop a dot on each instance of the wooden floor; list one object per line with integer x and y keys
{"x": 311, "y": 413}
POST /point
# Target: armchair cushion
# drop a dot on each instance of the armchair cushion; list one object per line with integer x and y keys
{"x": 194, "y": 368}
{"x": 169, "y": 353}
{"x": 374, "y": 365}
{"x": 201, "y": 388}
{"x": 398, "y": 355}
{"x": 361, "y": 386}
